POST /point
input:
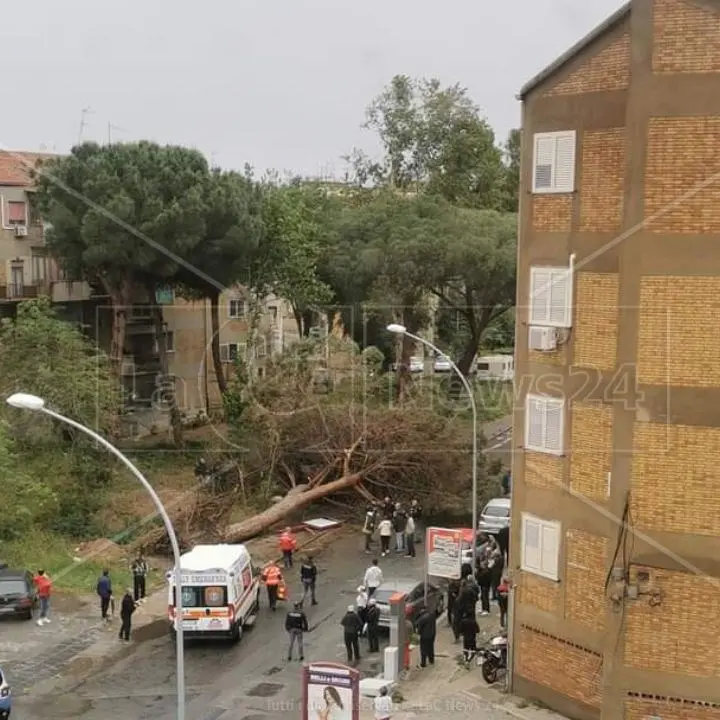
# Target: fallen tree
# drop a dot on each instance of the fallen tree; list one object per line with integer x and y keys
{"x": 301, "y": 448}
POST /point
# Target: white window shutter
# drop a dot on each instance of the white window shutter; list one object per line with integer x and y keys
{"x": 564, "y": 167}
{"x": 545, "y": 153}
{"x": 531, "y": 545}
{"x": 550, "y": 550}
{"x": 559, "y": 298}
{"x": 534, "y": 423}
{"x": 554, "y": 426}
{"x": 540, "y": 295}
{"x": 223, "y": 353}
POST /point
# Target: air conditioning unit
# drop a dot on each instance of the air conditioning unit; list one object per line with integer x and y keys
{"x": 542, "y": 338}
{"x": 20, "y": 231}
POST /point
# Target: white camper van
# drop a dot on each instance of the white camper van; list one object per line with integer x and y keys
{"x": 220, "y": 592}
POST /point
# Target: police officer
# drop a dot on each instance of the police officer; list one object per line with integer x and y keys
{"x": 372, "y": 619}
{"x": 296, "y": 624}
{"x": 308, "y": 577}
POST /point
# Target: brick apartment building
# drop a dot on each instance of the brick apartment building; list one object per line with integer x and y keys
{"x": 616, "y": 488}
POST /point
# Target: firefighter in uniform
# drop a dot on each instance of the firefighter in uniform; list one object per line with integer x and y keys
{"x": 272, "y": 577}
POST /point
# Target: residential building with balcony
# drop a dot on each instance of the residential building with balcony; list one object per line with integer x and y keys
{"x": 615, "y": 543}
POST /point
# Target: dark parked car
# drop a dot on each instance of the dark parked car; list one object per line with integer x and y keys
{"x": 414, "y": 592}
{"x": 17, "y": 594}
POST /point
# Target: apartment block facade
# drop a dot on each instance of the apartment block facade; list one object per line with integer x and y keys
{"x": 616, "y": 477}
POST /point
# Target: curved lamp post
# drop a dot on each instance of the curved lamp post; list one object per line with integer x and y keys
{"x": 402, "y": 330}
{"x": 37, "y": 404}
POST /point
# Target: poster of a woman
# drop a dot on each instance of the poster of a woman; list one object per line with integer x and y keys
{"x": 330, "y": 693}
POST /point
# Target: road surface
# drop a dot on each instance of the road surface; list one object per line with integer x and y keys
{"x": 249, "y": 681}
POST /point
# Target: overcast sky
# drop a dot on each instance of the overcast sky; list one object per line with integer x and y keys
{"x": 275, "y": 84}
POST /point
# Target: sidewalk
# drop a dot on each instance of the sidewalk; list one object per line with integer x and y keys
{"x": 449, "y": 691}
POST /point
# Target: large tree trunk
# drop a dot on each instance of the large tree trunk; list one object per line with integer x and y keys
{"x": 294, "y": 500}
{"x": 215, "y": 342}
{"x": 171, "y": 399}
{"x": 468, "y": 354}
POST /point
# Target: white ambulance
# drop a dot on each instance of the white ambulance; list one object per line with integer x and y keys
{"x": 220, "y": 592}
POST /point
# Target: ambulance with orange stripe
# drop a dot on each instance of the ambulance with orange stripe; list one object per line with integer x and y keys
{"x": 220, "y": 592}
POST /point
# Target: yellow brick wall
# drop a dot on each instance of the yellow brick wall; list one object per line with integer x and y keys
{"x": 685, "y": 38}
{"x": 552, "y": 213}
{"x": 538, "y": 592}
{"x": 585, "y": 579}
{"x": 681, "y": 154}
{"x": 596, "y": 320}
{"x": 544, "y": 471}
{"x": 680, "y": 635}
{"x": 563, "y": 667}
{"x": 675, "y": 478}
{"x": 608, "y": 70}
{"x": 591, "y": 450}
{"x": 669, "y": 709}
{"x": 678, "y": 344}
{"x": 602, "y": 180}
{"x": 555, "y": 357}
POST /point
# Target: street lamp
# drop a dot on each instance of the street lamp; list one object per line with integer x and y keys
{"x": 397, "y": 329}
{"x": 37, "y": 404}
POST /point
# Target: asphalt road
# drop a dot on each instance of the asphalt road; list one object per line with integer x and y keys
{"x": 248, "y": 681}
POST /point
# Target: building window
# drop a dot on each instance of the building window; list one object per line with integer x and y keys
{"x": 273, "y": 313}
{"x": 236, "y": 309}
{"x": 554, "y": 162}
{"x": 16, "y": 212}
{"x": 39, "y": 266}
{"x": 540, "y": 546}
{"x": 231, "y": 352}
{"x": 544, "y": 424}
{"x": 551, "y": 296}
{"x": 169, "y": 341}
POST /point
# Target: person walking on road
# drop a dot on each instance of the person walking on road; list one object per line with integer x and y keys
{"x": 399, "y": 519}
{"x": 416, "y": 512}
{"x": 469, "y": 630}
{"x": 308, "y": 578}
{"x": 373, "y": 578}
{"x": 127, "y": 608}
{"x": 104, "y": 591}
{"x": 296, "y": 625}
{"x": 410, "y": 536}
{"x": 502, "y": 600}
{"x": 386, "y": 531}
{"x": 351, "y": 630}
{"x": 383, "y": 705}
{"x": 427, "y": 629}
{"x": 372, "y": 620}
{"x": 272, "y": 577}
{"x": 139, "y": 569}
{"x": 452, "y": 598}
{"x": 484, "y": 574}
{"x": 288, "y": 544}
{"x": 43, "y": 584}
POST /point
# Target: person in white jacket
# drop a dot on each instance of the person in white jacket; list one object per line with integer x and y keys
{"x": 361, "y": 601}
{"x": 383, "y": 705}
{"x": 373, "y": 578}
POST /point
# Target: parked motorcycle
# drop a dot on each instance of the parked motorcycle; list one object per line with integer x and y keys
{"x": 493, "y": 657}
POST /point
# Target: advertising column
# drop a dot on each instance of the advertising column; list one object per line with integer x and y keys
{"x": 330, "y": 692}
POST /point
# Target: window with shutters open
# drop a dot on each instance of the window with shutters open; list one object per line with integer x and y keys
{"x": 544, "y": 424}
{"x": 540, "y": 546}
{"x": 551, "y": 297}
{"x": 554, "y": 162}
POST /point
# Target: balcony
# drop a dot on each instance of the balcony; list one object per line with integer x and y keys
{"x": 18, "y": 292}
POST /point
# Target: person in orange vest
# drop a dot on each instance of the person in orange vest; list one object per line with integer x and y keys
{"x": 272, "y": 577}
{"x": 288, "y": 544}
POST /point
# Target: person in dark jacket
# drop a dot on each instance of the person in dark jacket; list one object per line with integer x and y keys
{"x": 465, "y": 603}
{"x": 484, "y": 572}
{"x": 388, "y": 508}
{"x": 497, "y": 570}
{"x": 506, "y": 483}
{"x": 452, "y": 596}
{"x": 469, "y": 630}
{"x": 139, "y": 570}
{"x": 308, "y": 577}
{"x": 104, "y": 591}
{"x": 416, "y": 511}
{"x": 399, "y": 523}
{"x": 372, "y": 618}
{"x": 127, "y": 608}
{"x": 296, "y": 624}
{"x": 352, "y": 626}
{"x": 503, "y": 540}
{"x": 427, "y": 629}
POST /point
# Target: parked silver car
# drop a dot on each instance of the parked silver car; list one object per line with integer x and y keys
{"x": 414, "y": 592}
{"x": 495, "y": 516}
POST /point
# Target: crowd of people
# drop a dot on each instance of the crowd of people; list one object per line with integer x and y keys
{"x": 393, "y": 520}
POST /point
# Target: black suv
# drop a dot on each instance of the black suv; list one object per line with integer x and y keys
{"x": 18, "y": 596}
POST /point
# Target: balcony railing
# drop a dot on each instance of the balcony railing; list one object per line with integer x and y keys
{"x": 16, "y": 291}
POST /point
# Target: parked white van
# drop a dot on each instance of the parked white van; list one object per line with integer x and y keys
{"x": 220, "y": 592}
